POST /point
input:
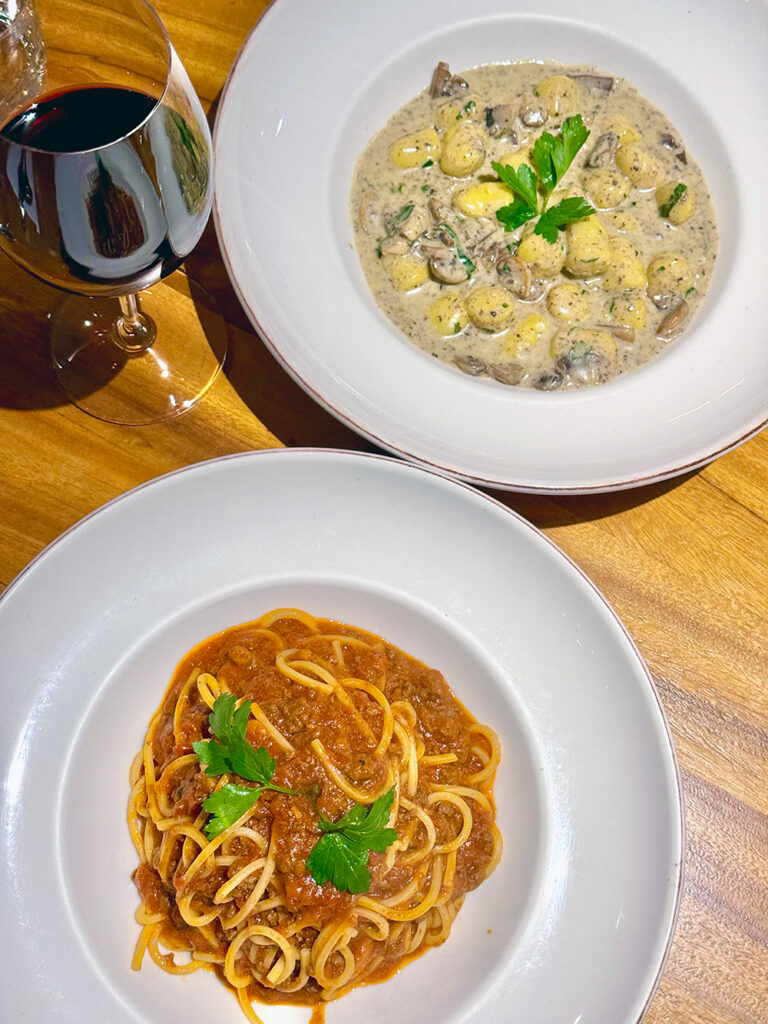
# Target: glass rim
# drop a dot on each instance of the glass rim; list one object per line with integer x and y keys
{"x": 168, "y": 53}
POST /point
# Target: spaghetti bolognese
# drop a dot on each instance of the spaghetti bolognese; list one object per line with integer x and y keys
{"x": 310, "y": 806}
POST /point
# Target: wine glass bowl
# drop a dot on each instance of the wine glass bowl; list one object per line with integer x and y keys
{"x": 106, "y": 184}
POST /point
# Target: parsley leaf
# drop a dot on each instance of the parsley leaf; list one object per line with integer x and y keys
{"x": 515, "y": 214}
{"x": 336, "y": 859}
{"x": 394, "y": 220}
{"x": 543, "y": 161}
{"x": 341, "y": 854}
{"x": 556, "y": 217}
{"x": 522, "y": 182}
{"x": 575, "y": 133}
{"x": 228, "y": 804}
{"x": 231, "y": 752}
{"x": 553, "y": 156}
{"x": 679, "y": 191}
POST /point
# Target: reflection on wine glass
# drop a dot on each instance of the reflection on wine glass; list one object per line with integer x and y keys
{"x": 21, "y": 55}
{"x": 106, "y": 184}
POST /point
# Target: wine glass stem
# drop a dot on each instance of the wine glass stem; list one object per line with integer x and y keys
{"x": 134, "y": 330}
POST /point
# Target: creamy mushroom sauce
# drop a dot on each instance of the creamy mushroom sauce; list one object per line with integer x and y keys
{"x": 616, "y": 287}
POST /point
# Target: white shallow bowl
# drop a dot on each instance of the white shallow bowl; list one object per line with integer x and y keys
{"x": 317, "y": 78}
{"x": 576, "y": 921}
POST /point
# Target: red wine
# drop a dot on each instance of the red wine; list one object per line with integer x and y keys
{"x": 85, "y": 118}
{"x": 103, "y": 189}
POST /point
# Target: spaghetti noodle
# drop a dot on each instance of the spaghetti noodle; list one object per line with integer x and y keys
{"x": 347, "y": 718}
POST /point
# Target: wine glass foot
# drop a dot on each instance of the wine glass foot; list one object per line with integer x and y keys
{"x": 132, "y": 388}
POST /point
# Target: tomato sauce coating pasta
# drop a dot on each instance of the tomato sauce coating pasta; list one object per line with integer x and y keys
{"x": 347, "y": 718}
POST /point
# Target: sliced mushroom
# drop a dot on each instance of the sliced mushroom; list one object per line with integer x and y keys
{"x": 604, "y": 82}
{"x": 516, "y": 274}
{"x": 499, "y": 121}
{"x": 670, "y": 142}
{"x": 673, "y": 321}
{"x": 394, "y": 247}
{"x": 366, "y": 212}
{"x": 533, "y": 115}
{"x": 440, "y": 78}
{"x": 506, "y": 373}
{"x": 429, "y": 246}
{"x": 622, "y": 331}
{"x": 497, "y": 252}
{"x": 604, "y": 152}
{"x": 548, "y": 381}
{"x": 447, "y": 267}
{"x": 444, "y": 83}
{"x": 439, "y": 210}
{"x": 416, "y": 223}
{"x": 472, "y": 365}
{"x": 587, "y": 355}
{"x": 393, "y": 221}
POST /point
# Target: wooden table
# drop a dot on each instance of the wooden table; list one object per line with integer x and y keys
{"x": 685, "y": 564}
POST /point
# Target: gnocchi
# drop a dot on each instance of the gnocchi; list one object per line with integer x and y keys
{"x": 490, "y": 307}
{"x": 449, "y": 315}
{"x": 527, "y": 334}
{"x": 463, "y": 150}
{"x": 669, "y": 274}
{"x": 544, "y": 258}
{"x": 626, "y": 269}
{"x": 568, "y": 302}
{"x": 606, "y": 187}
{"x": 643, "y": 169}
{"x": 407, "y": 272}
{"x": 516, "y": 158}
{"x": 415, "y": 149}
{"x": 521, "y": 282}
{"x": 559, "y": 94}
{"x": 676, "y": 202}
{"x": 627, "y": 310}
{"x": 590, "y": 354}
{"x": 588, "y": 251}
{"x": 483, "y": 199}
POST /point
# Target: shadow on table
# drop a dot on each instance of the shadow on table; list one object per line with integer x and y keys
{"x": 27, "y": 381}
{"x": 26, "y": 378}
{"x": 550, "y": 512}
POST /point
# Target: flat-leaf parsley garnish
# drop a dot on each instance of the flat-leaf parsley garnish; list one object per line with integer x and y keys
{"x": 562, "y": 214}
{"x": 231, "y": 752}
{"x": 552, "y": 156}
{"x": 341, "y": 854}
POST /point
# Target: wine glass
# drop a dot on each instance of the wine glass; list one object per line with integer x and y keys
{"x": 106, "y": 184}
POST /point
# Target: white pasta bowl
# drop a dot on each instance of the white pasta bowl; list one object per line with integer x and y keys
{"x": 317, "y": 79}
{"x": 577, "y": 918}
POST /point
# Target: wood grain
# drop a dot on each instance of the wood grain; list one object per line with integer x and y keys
{"x": 685, "y": 565}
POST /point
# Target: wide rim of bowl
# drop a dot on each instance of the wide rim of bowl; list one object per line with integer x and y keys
{"x": 343, "y": 454}
{"x": 684, "y": 461}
